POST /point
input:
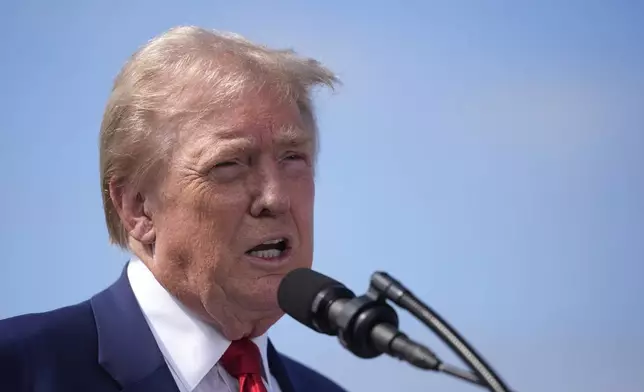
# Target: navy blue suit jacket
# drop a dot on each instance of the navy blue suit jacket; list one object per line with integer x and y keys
{"x": 105, "y": 345}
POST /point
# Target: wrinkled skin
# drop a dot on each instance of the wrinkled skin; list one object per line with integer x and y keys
{"x": 230, "y": 185}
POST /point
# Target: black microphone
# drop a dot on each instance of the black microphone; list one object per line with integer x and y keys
{"x": 365, "y": 325}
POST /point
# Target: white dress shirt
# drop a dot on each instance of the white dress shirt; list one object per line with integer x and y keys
{"x": 191, "y": 347}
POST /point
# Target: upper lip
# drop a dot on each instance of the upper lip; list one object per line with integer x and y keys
{"x": 286, "y": 237}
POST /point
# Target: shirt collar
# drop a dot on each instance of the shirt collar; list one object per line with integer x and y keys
{"x": 190, "y": 346}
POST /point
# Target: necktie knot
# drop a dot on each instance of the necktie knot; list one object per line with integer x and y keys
{"x": 243, "y": 361}
{"x": 242, "y": 358}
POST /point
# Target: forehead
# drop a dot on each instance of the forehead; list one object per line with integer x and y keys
{"x": 251, "y": 121}
{"x": 247, "y": 136}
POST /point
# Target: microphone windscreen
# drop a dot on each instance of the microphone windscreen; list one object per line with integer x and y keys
{"x": 297, "y": 292}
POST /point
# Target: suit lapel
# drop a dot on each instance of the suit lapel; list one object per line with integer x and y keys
{"x": 127, "y": 349}
{"x": 159, "y": 380}
{"x": 278, "y": 369}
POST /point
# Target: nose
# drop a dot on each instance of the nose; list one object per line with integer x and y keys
{"x": 271, "y": 198}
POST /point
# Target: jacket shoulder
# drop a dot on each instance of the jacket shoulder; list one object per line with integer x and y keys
{"x": 308, "y": 379}
{"x": 44, "y": 341}
{"x": 57, "y": 326}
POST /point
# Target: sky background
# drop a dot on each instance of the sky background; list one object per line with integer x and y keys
{"x": 487, "y": 154}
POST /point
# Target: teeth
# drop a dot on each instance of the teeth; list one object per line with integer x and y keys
{"x": 266, "y": 254}
{"x": 277, "y": 241}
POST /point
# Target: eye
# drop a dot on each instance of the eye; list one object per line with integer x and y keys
{"x": 296, "y": 163}
{"x": 225, "y": 164}
{"x": 226, "y": 171}
{"x": 294, "y": 157}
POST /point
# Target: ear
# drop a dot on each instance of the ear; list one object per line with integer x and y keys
{"x": 134, "y": 210}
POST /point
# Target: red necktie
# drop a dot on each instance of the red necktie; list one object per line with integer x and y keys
{"x": 243, "y": 361}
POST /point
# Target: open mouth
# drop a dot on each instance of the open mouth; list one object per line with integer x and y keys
{"x": 270, "y": 249}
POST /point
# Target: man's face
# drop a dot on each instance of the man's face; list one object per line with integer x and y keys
{"x": 235, "y": 213}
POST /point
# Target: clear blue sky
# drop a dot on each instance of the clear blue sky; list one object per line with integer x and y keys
{"x": 488, "y": 154}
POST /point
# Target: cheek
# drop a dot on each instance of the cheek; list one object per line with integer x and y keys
{"x": 199, "y": 224}
{"x": 302, "y": 198}
{"x": 209, "y": 208}
{"x": 302, "y": 207}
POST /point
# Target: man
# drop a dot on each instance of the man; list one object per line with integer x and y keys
{"x": 207, "y": 155}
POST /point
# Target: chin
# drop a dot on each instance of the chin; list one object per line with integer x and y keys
{"x": 255, "y": 326}
{"x": 264, "y": 325}
{"x": 264, "y": 301}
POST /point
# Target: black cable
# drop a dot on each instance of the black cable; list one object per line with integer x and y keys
{"x": 399, "y": 294}
{"x": 460, "y": 373}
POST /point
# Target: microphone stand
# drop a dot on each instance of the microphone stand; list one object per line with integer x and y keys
{"x": 384, "y": 286}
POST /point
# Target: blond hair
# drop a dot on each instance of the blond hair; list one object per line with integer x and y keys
{"x": 178, "y": 78}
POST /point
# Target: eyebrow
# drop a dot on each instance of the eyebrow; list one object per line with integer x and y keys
{"x": 230, "y": 140}
{"x": 293, "y": 136}
{"x": 286, "y": 136}
{"x": 206, "y": 151}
